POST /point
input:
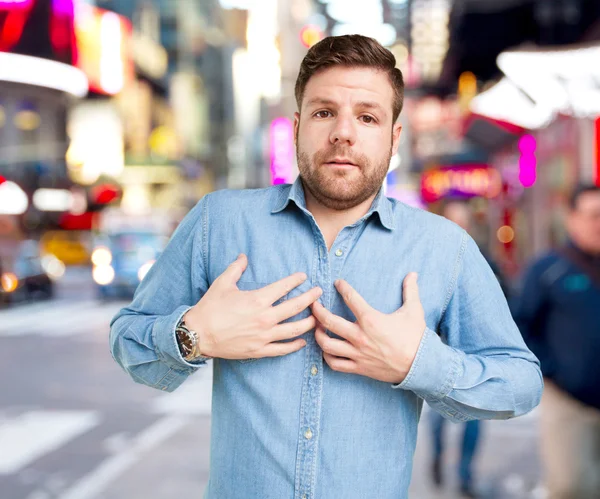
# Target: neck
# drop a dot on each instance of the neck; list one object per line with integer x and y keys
{"x": 331, "y": 221}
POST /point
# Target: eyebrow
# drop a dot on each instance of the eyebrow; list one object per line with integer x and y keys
{"x": 371, "y": 105}
{"x": 320, "y": 101}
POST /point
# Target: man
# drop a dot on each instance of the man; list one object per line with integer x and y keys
{"x": 459, "y": 213}
{"x": 323, "y": 347}
{"x": 558, "y": 313}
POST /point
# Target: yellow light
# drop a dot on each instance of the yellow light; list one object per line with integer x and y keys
{"x": 401, "y": 54}
{"x": 9, "y": 282}
{"x": 27, "y": 120}
{"x": 101, "y": 256}
{"x": 467, "y": 84}
{"x": 505, "y": 234}
{"x": 2, "y": 117}
{"x": 309, "y": 35}
{"x": 144, "y": 269}
{"x": 103, "y": 274}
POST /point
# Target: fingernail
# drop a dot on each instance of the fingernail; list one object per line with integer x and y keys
{"x": 240, "y": 256}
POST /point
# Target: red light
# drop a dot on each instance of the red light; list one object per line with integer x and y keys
{"x": 2, "y": 179}
{"x": 105, "y": 194}
{"x": 13, "y": 29}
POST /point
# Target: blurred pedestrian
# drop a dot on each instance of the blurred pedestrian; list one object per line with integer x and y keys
{"x": 558, "y": 312}
{"x": 460, "y": 213}
{"x": 327, "y": 404}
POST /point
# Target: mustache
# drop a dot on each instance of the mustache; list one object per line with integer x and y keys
{"x": 328, "y": 155}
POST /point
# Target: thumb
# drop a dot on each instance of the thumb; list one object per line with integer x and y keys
{"x": 232, "y": 274}
{"x": 410, "y": 290}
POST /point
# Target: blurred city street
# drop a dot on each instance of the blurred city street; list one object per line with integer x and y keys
{"x": 139, "y": 143}
{"x": 73, "y": 426}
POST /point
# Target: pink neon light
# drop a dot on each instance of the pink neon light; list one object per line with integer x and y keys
{"x": 63, "y": 7}
{"x": 527, "y": 161}
{"x": 527, "y": 144}
{"x": 20, "y": 4}
{"x": 282, "y": 151}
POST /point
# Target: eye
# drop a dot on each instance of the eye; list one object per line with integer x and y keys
{"x": 322, "y": 114}
{"x": 368, "y": 119}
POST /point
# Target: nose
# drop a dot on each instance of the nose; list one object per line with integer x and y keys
{"x": 343, "y": 130}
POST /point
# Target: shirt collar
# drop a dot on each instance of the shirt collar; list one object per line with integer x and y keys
{"x": 295, "y": 192}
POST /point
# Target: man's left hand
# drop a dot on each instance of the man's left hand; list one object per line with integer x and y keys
{"x": 380, "y": 346}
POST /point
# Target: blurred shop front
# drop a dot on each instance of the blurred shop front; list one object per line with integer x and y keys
{"x": 124, "y": 137}
{"x": 39, "y": 82}
{"x": 543, "y": 122}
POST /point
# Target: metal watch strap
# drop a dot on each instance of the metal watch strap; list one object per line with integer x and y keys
{"x": 193, "y": 337}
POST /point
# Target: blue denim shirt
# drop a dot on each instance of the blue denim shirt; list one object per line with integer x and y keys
{"x": 290, "y": 427}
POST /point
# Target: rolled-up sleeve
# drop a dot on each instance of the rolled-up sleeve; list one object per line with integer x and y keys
{"x": 478, "y": 367}
{"x": 142, "y": 335}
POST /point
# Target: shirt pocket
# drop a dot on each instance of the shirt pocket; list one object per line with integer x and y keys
{"x": 253, "y": 286}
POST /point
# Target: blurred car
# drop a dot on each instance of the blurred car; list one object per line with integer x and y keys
{"x": 122, "y": 259}
{"x": 27, "y": 275}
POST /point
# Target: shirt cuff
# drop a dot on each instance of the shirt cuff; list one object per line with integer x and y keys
{"x": 435, "y": 369}
{"x": 165, "y": 341}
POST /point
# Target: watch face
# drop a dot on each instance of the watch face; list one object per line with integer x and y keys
{"x": 185, "y": 342}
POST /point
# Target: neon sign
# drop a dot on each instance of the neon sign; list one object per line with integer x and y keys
{"x": 28, "y": 30}
{"x": 460, "y": 181}
{"x": 282, "y": 151}
{"x": 527, "y": 161}
{"x": 16, "y": 4}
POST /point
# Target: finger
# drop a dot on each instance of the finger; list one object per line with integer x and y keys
{"x": 355, "y": 302}
{"x": 279, "y": 349}
{"x": 290, "y": 308}
{"x": 410, "y": 289}
{"x": 333, "y": 346}
{"x": 232, "y": 274}
{"x": 340, "y": 365}
{"x": 340, "y": 326}
{"x": 293, "y": 329}
{"x": 279, "y": 289}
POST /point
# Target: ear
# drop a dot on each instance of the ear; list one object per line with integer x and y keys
{"x": 396, "y": 129}
{"x": 296, "y": 126}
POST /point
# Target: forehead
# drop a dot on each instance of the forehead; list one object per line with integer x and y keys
{"x": 340, "y": 84}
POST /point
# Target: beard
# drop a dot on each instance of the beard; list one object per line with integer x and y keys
{"x": 341, "y": 189}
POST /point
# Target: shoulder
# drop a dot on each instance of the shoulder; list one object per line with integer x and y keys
{"x": 422, "y": 223}
{"x": 235, "y": 200}
{"x": 410, "y": 215}
{"x": 548, "y": 266}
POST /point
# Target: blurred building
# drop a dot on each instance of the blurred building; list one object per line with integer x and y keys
{"x": 39, "y": 83}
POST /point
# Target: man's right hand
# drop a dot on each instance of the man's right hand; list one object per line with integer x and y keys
{"x": 235, "y": 324}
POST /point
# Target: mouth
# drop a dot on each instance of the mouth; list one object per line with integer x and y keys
{"x": 341, "y": 163}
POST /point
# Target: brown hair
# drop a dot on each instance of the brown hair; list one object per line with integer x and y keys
{"x": 351, "y": 51}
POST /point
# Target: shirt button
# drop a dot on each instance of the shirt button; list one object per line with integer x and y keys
{"x": 314, "y": 370}
{"x": 304, "y": 496}
{"x": 308, "y": 434}
{"x": 338, "y": 252}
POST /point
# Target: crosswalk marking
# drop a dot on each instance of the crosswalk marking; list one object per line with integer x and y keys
{"x": 96, "y": 482}
{"x": 57, "y": 318}
{"x": 194, "y": 397}
{"x": 30, "y": 436}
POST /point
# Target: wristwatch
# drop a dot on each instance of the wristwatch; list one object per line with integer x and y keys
{"x": 188, "y": 342}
